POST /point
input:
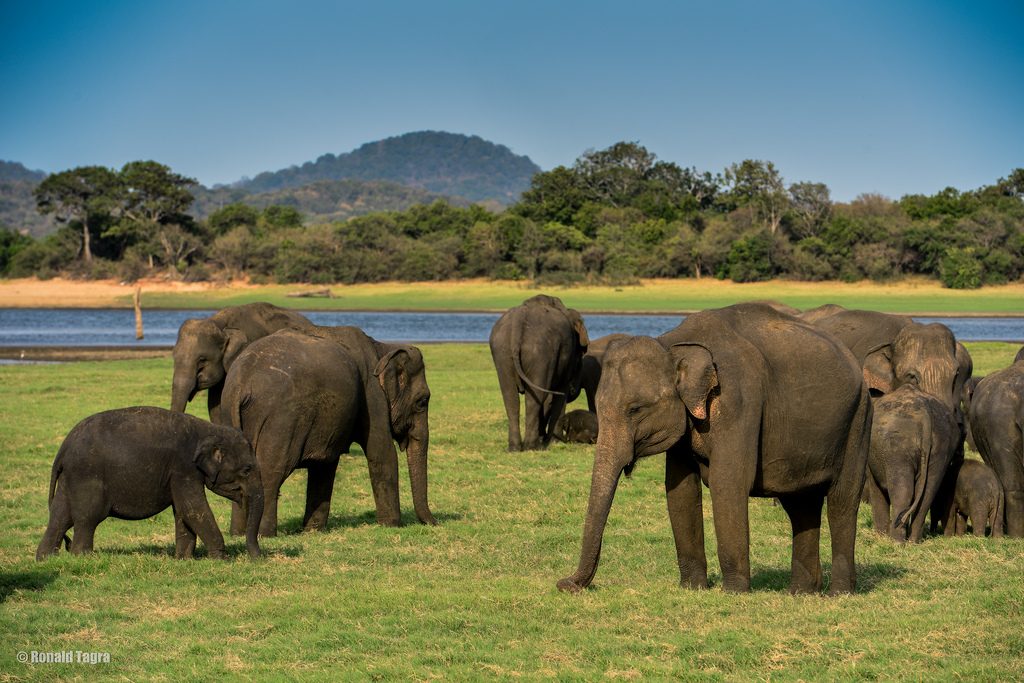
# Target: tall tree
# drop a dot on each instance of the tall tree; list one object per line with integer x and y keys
{"x": 86, "y": 195}
{"x": 759, "y": 185}
{"x": 812, "y": 204}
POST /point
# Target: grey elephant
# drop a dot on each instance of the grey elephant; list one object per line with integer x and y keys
{"x": 1020, "y": 355}
{"x": 754, "y": 403}
{"x": 590, "y": 370}
{"x": 538, "y": 349}
{"x": 913, "y": 439}
{"x": 979, "y": 498}
{"x": 133, "y": 463}
{"x": 997, "y": 421}
{"x": 577, "y": 426}
{"x": 303, "y": 399}
{"x": 206, "y": 348}
{"x": 812, "y": 315}
{"x": 966, "y": 398}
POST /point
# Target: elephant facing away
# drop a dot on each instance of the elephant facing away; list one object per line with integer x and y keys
{"x": 997, "y": 421}
{"x": 538, "y": 349}
{"x": 913, "y": 439}
{"x": 303, "y": 399}
{"x": 754, "y": 403}
{"x": 979, "y": 497}
{"x": 206, "y": 348}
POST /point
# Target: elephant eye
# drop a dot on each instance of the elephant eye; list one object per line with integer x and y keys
{"x": 422, "y": 404}
{"x": 246, "y": 470}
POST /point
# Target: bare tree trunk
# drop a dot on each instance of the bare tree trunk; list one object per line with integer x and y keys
{"x": 137, "y": 300}
{"x": 86, "y": 251}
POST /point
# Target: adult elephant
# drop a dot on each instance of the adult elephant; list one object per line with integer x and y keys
{"x": 997, "y": 421}
{"x": 206, "y": 348}
{"x": 302, "y": 399}
{"x": 590, "y": 371}
{"x": 754, "y": 403}
{"x": 538, "y": 349}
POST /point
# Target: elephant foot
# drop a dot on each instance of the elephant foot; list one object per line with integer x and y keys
{"x": 216, "y": 554}
{"x": 569, "y": 585}
{"x": 427, "y": 519}
{"x": 694, "y": 583}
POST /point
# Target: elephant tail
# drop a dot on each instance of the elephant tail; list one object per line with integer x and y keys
{"x": 921, "y": 479}
{"x": 522, "y": 375}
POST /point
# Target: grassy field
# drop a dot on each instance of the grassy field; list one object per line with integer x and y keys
{"x": 910, "y": 296}
{"x": 473, "y": 598}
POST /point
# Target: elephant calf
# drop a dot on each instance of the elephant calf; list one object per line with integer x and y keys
{"x": 979, "y": 496}
{"x": 577, "y": 426}
{"x": 134, "y": 462}
{"x": 913, "y": 438}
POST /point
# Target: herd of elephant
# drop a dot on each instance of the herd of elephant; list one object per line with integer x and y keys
{"x": 755, "y": 399}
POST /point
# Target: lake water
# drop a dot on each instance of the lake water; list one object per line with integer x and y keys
{"x": 106, "y": 327}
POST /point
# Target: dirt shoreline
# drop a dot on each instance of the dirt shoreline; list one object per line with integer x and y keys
{"x": 63, "y": 293}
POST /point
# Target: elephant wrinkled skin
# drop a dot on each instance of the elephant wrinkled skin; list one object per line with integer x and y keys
{"x": 303, "y": 399}
{"x": 133, "y": 463}
{"x": 997, "y": 421}
{"x": 754, "y": 403}
{"x": 206, "y": 348}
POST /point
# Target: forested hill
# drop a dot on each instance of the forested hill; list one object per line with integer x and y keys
{"x": 442, "y": 163}
{"x": 325, "y": 200}
{"x": 12, "y": 170}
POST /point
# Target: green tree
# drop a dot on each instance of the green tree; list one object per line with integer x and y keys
{"x": 811, "y": 204}
{"x": 757, "y": 184}
{"x": 86, "y": 196}
{"x": 11, "y": 243}
{"x": 224, "y": 220}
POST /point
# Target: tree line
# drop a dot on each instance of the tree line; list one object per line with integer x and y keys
{"x": 614, "y": 216}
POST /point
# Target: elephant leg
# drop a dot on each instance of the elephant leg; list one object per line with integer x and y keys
{"x": 879, "y": 505}
{"x": 510, "y": 397}
{"x": 730, "y": 493}
{"x": 272, "y": 481}
{"x": 60, "y": 522}
{"x": 189, "y": 501}
{"x": 213, "y": 397}
{"x": 319, "y": 490}
{"x": 85, "y": 530}
{"x": 844, "y": 502}
{"x": 804, "y": 512}
{"x": 184, "y": 537}
{"x": 1015, "y": 514}
{"x": 238, "y": 515}
{"x": 382, "y": 461}
{"x": 554, "y": 408}
{"x": 979, "y": 517}
{"x": 534, "y": 418}
{"x": 961, "y": 525}
{"x": 901, "y": 496}
{"x": 685, "y": 512}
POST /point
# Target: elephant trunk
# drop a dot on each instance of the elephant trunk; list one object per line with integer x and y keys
{"x": 183, "y": 388}
{"x": 254, "y": 506}
{"x": 416, "y": 455}
{"x": 604, "y": 481}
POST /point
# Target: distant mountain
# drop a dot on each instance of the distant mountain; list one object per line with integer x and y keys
{"x": 17, "y": 205}
{"x": 12, "y": 170}
{"x": 323, "y": 201}
{"x": 442, "y": 163}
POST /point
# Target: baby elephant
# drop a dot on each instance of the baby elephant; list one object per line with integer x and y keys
{"x": 134, "y": 462}
{"x": 978, "y": 496}
{"x": 577, "y": 426}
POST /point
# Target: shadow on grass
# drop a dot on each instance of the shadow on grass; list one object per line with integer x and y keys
{"x": 35, "y": 580}
{"x": 369, "y": 518}
{"x": 234, "y": 551}
{"x": 869, "y": 577}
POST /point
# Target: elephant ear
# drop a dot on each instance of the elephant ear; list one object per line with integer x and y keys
{"x": 234, "y": 342}
{"x": 696, "y": 377}
{"x": 392, "y": 373}
{"x": 878, "y": 373}
{"x": 208, "y": 459}
{"x": 579, "y": 328}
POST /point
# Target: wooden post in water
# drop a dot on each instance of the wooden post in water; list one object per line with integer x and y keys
{"x": 137, "y": 300}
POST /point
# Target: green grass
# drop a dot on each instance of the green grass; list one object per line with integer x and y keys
{"x": 473, "y": 598}
{"x": 910, "y": 296}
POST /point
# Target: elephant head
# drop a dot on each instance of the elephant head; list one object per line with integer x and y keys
{"x": 229, "y": 468}
{"x": 402, "y": 376}
{"x": 925, "y": 356}
{"x": 202, "y": 354}
{"x": 648, "y": 397}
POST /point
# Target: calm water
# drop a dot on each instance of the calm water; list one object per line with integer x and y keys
{"x": 78, "y": 327}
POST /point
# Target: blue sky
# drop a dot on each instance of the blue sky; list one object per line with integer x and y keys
{"x": 872, "y": 96}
